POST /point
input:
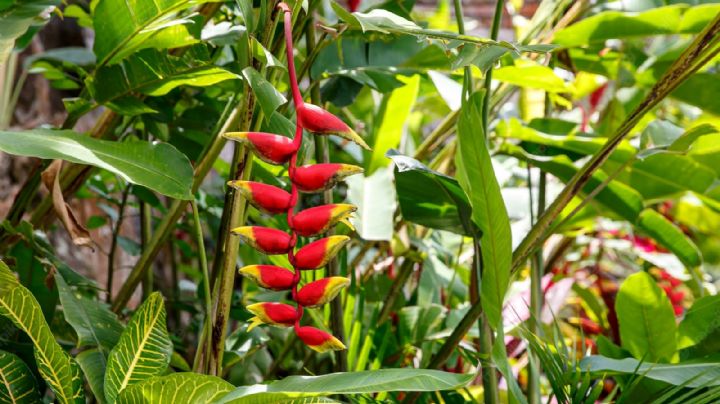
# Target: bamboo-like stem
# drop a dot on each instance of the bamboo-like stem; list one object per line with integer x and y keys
{"x": 403, "y": 275}
{"x": 203, "y": 344}
{"x": 690, "y": 61}
{"x": 113, "y": 244}
{"x": 537, "y": 271}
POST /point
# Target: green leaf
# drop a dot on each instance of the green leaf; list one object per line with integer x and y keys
{"x": 176, "y": 388}
{"x": 17, "y": 384}
{"x": 429, "y": 198}
{"x": 477, "y": 178}
{"x": 670, "y": 236}
{"x": 669, "y": 20}
{"x": 143, "y": 351}
{"x": 16, "y": 19}
{"x": 93, "y": 364}
{"x": 646, "y": 318}
{"x": 267, "y": 95}
{"x": 155, "y": 73}
{"x": 395, "y": 108}
{"x": 122, "y": 27}
{"x": 688, "y": 374}
{"x": 55, "y": 366}
{"x": 700, "y": 90}
{"x": 93, "y": 322}
{"x": 699, "y": 322}
{"x": 157, "y": 166}
{"x": 351, "y": 383}
{"x": 529, "y": 74}
{"x": 706, "y": 150}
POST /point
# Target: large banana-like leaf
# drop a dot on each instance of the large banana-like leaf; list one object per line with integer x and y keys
{"x": 143, "y": 351}
{"x": 17, "y": 384}
{"x": 176, "y": 388}
{"x": 57, "y": 367}
{"x": 93, "y": 364}
{"x": 122, "y": 27}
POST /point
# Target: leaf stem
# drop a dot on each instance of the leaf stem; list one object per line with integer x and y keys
{"x": 203, "y": 343}
{"x": 113, "y": 244}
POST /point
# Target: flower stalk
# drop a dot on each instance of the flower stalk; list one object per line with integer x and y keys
{"x": 276, "y": 149}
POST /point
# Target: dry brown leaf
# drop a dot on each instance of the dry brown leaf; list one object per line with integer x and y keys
{"x": 78, "y": 233}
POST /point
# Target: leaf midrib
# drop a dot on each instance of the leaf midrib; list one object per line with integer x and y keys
{"x": 140, "y": 347}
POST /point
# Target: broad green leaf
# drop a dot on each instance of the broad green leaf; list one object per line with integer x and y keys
{"x": 177, "y": 388}
{"x": 700, "y": 90}
{"x": 155, "y": 73}
{"x": 395, "y": 109}
{"x": 646, "y": 318}
{"x": 123, "y": 27}
{"x": 669, "y": 20}
{"x": 706, "y": 150}
{"x": 688, "y": 374}
{"x": 669, "y": 236}
{"x": 476, "y": 176}
{"x": 686, "y": 140}
{"x": 93, "y": 364}
{"x": 17, "y": 384}
{"x": 529, "y": 74}
{"x": 699, "y": 322}
{"x": 58, "y": 369}
{"x": 429, "y": 198}
{"x": 352, "y": 383}
{"x": 143, "y": 351}
{"x": 16, "y": 19}
{"x": 93, "y": 322}
{"x": 157, "y": 166}
{"x": 375, "y": 199}
{"x": 267, "y": 95}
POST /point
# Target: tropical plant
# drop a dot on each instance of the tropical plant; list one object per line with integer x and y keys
{"x": 526, "y": 220}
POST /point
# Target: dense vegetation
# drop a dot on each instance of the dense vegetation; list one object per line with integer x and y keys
{"x": 420, "y": 214}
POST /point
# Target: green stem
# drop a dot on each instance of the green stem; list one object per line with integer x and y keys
{"x": 494, "y": 30}
{"x": 203, "y": 344}
{"x": 536, "y": 300}
{"x": 403, "y": 275}
{"x": 113, "y": 244}
{"x": 489, "y": 374}
{"x": 467, "y": 77}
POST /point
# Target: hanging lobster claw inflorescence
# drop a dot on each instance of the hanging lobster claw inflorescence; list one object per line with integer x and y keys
{"x": 276, "y": 149}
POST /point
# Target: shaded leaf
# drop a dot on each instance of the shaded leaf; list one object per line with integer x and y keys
{"x": 17, "y": 384}
{"x": 93, "y": 364}
{"x": 699, "y": 322}
{"x": 157, "y": 166}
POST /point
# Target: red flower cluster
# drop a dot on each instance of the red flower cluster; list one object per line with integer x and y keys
{"x": 671, "y": 287}
{"x": 276, "y": 149}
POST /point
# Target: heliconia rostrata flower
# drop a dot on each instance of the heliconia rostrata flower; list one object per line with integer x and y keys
{"x": 311, "y": 222}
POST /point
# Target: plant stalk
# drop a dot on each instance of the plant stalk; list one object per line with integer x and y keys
{"x": 113, "y": 244}
{"x": 203, "y": 344}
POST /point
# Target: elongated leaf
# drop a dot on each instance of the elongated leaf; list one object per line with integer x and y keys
{"x": 530, "y": 75}
{"x": 155, "y": 73}
{"x": 675, "y": 19}
{"x": 93, "y": 322}
{"x": 429, "y": 198}
{"x": 16, "y": 19}
{"x": 647, "y": 321}
{"x": 375, "y": 199}
{"x": 176, "y": 388}
{"x": 267, "y": 95}
{"x": 700, "y": 321}
{"x": 670, "y": 236}
{"x": 93, "y": 364}
{"x": 122, "y": 27}
{"x": 143, "y": 351}
{"x": 395, "y": 109}
{"x": 57, "y": 367}
{"x": 17, "y": 384}
{"x": 477, "y": 178}
{"x": 352, "y": 383}
{"x": 688, "y": 374}
{"x": 158, "y": 166}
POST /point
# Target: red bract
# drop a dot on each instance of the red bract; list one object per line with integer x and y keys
{"x": 318, "y": 293}
{"x": 318, "y": 340}
{"x": 310, "y": 222}
{"x": 588, "y": 326}
{"x": 318, "y": 120}
{"x": 271, "y": 148}
{"x": 264, "y": 239}
{"x": 269, "y": 276}
{"x": 313, "y": 221}
{"x": 278, "y": 314}
{"x": 317, "y": 254}
{"x": 267, "y": 198}
{"x": 320, "y": 177}
{"x": 353, "y": 5}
